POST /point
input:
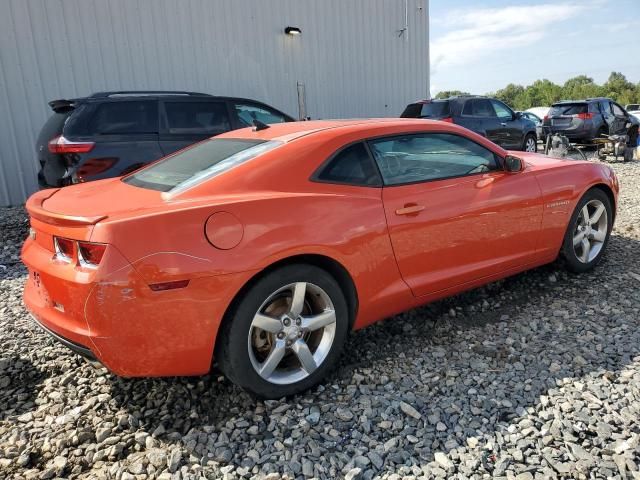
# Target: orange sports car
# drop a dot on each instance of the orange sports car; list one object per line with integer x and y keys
{"x": 263, "y": 248}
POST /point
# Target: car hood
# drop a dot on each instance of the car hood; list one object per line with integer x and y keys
{"x": 538, "y": 161}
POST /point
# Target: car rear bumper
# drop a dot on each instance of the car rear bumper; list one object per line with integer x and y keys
{"x": 81, "y": 350}
{"x": 112, "y": 316}
{"x": 579, "y": 132}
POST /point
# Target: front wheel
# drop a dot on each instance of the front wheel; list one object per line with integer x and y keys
{"x": 530, "y": 143}
{"x": 286, "y": 332}
{"x": 588, "y": 231}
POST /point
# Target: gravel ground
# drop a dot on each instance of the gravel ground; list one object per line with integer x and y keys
{"x": 536, "y": 376}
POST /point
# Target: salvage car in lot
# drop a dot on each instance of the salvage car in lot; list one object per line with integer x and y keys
{"x": 262, "y": 248}
{"x": 487, "y": 116}
{"x": 584, "y": 120}
{"x": 113, "y": 133}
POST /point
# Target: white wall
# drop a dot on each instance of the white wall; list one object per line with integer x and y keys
{"x": 350, "y": 56}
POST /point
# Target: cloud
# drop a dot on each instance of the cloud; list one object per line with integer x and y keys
{"x": 475, "y": 33}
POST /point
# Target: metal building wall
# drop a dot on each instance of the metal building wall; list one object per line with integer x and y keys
{"x": 351, "y": 57}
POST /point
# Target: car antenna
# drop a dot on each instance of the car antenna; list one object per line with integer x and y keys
{"x": 258, "y": 125}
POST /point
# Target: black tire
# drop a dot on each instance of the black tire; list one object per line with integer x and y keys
{"x": 568, "y": 252}
{"x": 232, "y": 352}
{"x": 528, "y": 137}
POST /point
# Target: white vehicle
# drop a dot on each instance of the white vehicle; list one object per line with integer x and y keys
{"x": 539, "y": 112}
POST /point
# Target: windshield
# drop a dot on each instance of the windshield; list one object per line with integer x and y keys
{"x": 198, "y": 163}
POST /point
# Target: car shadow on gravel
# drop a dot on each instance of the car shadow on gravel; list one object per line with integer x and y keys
{"x": 470, "y": 365}
{"x": 19, "y": 384}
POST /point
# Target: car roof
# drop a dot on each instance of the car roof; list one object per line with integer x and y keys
{"x": 455, "y": 97}
{"x": 129, "y": 94}
{"x": 584, "y": 100}
{"x": 290, "y": 131}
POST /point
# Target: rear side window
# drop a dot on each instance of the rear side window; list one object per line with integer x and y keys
{"x": 479, "y": 107}
{"x": 208, "y": 118}
{"x": 568, "y": 109}
{"x": 436, "y": 109}
{"x": 247, "y": 113}
{"x": 605, "y": 106}
{"x": 122, "y": 118}
{"x": 352, "y": 165}
{"x": 198, "y": 163}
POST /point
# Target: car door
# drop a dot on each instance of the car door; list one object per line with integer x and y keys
{"x": 488, "y": 121}
{"x": 245, "y": 112}
{"x": 607, "y": 115}
{"x": 511, "y": 127}
{"x": 620, "y": 119}
{"x": 454, "y": 215}
{"x": 187, "y": 121}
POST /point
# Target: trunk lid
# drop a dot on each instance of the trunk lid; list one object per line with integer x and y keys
{"x": 89, "y": 203}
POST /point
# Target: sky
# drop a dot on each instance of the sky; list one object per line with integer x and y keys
{"x": 480, "y": 46}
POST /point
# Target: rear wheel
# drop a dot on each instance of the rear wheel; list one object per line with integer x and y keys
{"x": 286, "y": 332}
{"x": 530, "y": 143}
{"x": 588, "y": 231}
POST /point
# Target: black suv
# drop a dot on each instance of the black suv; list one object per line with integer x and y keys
{"x": 487, "y": 116}
{"x": 113, "y": 133}
{"x": 584, "y": 120}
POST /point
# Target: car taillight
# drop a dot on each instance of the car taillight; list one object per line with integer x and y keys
{"x": 93, "y": 166}
{"x": 585, "y": 115}
{"x": 63, "y": 248}
{"x": 90, "y": 254}
{"x": 546, "y": 117}
{"x": 61, "y": 145}
{"x": 447, "y": 119}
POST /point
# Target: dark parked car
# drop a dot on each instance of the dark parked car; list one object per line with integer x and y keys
{"x": 113, "y": 133}
{"x": 584, "y": 120}
{"x": 486, "y": 116}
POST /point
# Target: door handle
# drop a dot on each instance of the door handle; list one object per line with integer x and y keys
{"x": 503, "y": 124}
{"x": 410, "y": 209}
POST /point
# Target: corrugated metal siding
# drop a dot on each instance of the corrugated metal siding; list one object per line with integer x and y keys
{"x": 350, "y": 58}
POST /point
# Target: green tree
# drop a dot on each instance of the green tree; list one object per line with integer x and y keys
{"x": 581, "y": 87}
{"x": 620, "y": 89}
{"x": 512, "y": 95}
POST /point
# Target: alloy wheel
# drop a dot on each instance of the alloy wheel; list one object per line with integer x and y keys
{"x": 292, "y": 333}
{"x": 591, "y": 231}
{"x": 530, "y": 145}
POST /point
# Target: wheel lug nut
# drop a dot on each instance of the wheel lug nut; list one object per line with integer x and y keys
{"x": 286, "y": 322}
{"x": 300, "y": 333}
{"x": 298, "y": 321}
{"x": 281, "y": 335}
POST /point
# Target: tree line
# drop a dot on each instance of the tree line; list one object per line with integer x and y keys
{"x": 542, "y": 93}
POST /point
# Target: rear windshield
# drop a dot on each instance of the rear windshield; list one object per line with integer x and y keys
{"x": 198, "y": 163}
{"x": 568, "y": 109}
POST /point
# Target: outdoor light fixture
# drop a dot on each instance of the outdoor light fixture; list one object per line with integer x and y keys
{"x": 292, "y": 31}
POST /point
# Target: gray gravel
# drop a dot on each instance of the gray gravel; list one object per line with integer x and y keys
{"x": 536, "y": 376}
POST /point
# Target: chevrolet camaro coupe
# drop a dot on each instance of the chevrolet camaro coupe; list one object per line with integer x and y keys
{"x": 263, "y": 248}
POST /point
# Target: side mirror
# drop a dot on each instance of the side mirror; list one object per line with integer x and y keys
{"x": 513, "y": 164}
{"x": 516, "y": 115}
